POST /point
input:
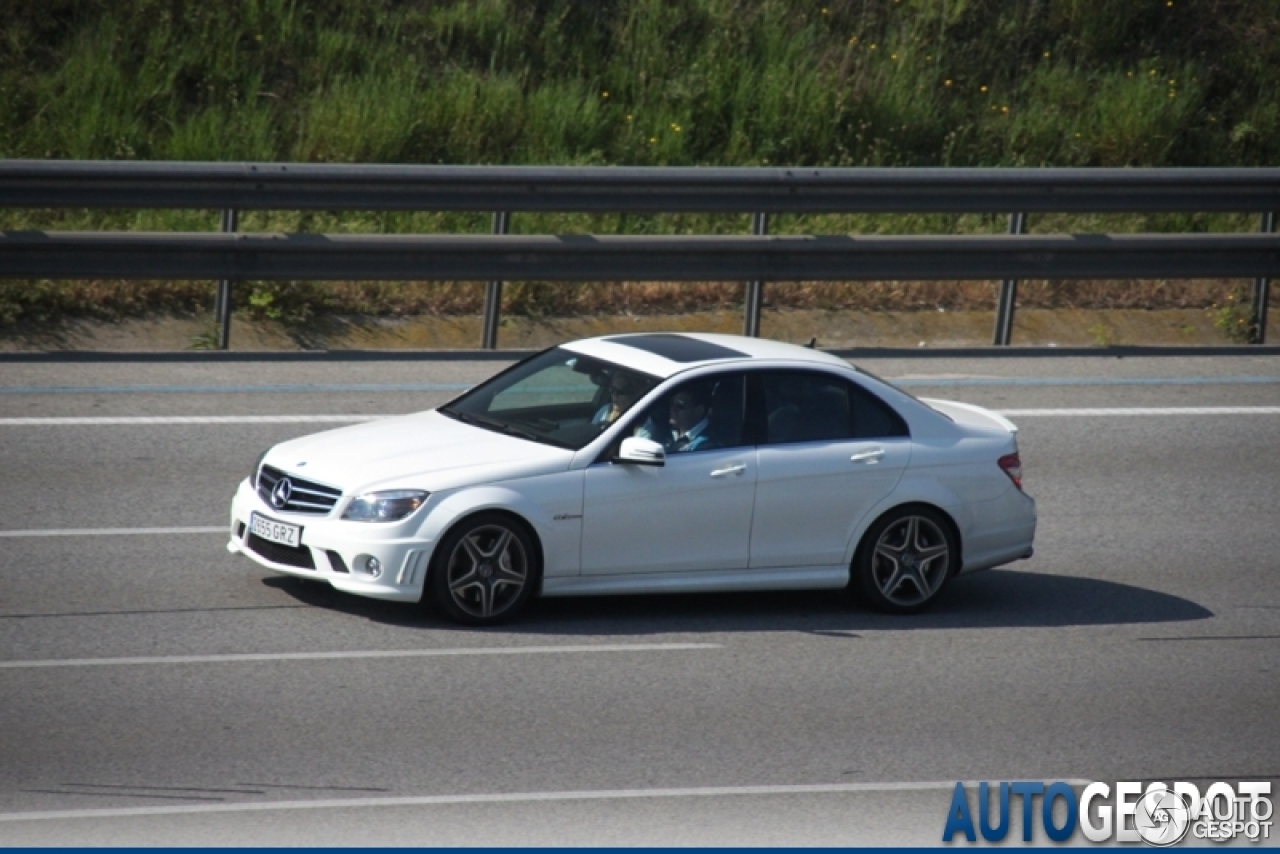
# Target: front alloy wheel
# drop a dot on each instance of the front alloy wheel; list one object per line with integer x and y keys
{"x": 484, "y": 570}
{"x": 906, "y": 559}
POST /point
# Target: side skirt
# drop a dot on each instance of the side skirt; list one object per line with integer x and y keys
{"x": 716, "y": 581}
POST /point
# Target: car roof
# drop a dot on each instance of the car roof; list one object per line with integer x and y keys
{"x": 666, "y": 353}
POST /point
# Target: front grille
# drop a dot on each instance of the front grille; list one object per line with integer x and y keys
{"x": 304, "y": 495}
{"x": 299, "y": 556}
{"x": 336, "y": 563}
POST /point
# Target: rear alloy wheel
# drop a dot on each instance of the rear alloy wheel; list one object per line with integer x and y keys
{"x": 905, "y": 560}
{"x": 484, "y": 570}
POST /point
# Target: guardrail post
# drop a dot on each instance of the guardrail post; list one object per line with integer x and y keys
{"x": 1008, "y": 291}
{"x": 1262, "y": 288}
{"x": 755, "y": 290}
{"x": 493, "y": 292}
{"x": 222, "y": 305}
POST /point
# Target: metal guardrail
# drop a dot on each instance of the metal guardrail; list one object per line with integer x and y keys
{"x": 232, "y": 187}
{"x": 301, "y": 186}
{"x": 282, "y": 257}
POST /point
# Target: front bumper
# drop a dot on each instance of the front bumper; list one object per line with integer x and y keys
{"x": 335, "y": 551}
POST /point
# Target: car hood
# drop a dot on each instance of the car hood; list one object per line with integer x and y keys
{"x": 425, "y": 450}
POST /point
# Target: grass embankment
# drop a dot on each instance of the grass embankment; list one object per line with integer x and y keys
{"x": 639, "y": 82}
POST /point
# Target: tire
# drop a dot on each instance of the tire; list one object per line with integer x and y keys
{"x": 905, "y": 560}
{"x": 484, "y": 570}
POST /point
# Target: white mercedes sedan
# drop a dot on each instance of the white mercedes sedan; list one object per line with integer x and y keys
{"x": 647, "y": 463}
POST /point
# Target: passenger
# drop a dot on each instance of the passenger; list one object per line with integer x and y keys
{"x": 623, "y": 391}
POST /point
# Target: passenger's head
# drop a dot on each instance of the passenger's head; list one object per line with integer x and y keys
{"x": 623, "y": 390}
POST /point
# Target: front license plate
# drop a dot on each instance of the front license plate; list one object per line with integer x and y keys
{"x": 276, "y": 532}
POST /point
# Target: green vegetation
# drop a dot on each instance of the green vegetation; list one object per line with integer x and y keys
{"x": 851, "y": 82}
{"x": 642, "y": 82}
{"x": 1233, "y": 317}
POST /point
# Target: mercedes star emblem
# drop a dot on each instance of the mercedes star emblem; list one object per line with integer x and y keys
{"x": 280, "y": 495}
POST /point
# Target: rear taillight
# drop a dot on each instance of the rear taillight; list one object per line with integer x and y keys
{"x": 1012, "y": 466}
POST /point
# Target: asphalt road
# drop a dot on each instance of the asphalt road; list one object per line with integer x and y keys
{"x": 156, "y": 690}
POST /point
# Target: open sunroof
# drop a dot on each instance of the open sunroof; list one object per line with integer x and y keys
{"x": 678, "y": 348}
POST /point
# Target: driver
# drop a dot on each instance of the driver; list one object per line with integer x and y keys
{"x": 690, "y": 411}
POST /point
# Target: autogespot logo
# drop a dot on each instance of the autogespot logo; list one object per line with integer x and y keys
{"x": 1157, "y": 815}
{"x": 1162, "y": 817}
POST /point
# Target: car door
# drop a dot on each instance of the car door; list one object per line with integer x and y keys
{"x": 831, "y": 450}
{"x": 693, "y": 513}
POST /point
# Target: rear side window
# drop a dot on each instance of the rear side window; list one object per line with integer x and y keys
{"x": 873, "y": 418}
{"x": 801, "y": 406}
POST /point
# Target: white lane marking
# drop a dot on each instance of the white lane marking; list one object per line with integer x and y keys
{"x": 1142, "y": 411}
{"x": 110, "y": 532}
{"x": 107, "y": 421}
{"x": 504, "y": 798}
{"x": 326, "y": 656}
{"x": 87, "y": 532}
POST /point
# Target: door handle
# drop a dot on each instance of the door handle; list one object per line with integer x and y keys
{"x": 738, "y": 468}
{"x": 870, "y": 457}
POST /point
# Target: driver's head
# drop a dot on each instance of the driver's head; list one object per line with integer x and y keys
{"x": 688, "y": 407}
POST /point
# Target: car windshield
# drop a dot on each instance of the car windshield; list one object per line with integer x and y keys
{"x": 883, "y": 381}
{"x": 557, "y": 397}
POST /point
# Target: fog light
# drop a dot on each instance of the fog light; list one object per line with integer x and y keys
{"x": 373, "y": 566}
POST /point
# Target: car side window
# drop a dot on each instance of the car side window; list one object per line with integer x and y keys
{"x": 702, "y": 414}
{"x": 805, "y": 407}
{"x": 802, "y": 406}
{"x": 873, "y": 418}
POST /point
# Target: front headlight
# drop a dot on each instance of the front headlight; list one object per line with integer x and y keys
{"x": 384, "y": 506}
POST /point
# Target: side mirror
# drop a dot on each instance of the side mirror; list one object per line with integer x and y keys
{"x": 640, "y": 451}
